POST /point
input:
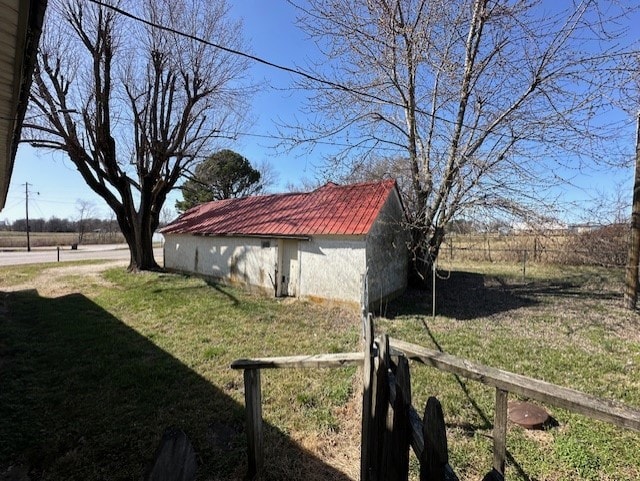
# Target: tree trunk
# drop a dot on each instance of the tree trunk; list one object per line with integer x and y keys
{"x": 426, "y": 248}
{"x": 138, "y": 233}
{"x": 631, "y": 281}
{"x": 142, "y": 258}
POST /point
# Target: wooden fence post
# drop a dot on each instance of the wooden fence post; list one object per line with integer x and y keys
{"x": 253, "y": 404}
{"x": 367, "y": 413}
{"x": 379, "y": 408}
{"x": 435, "y": 456}
{"x": 500, "y": 431}
{"x": 398, "y": 468}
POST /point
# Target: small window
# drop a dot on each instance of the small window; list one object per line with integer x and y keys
{"x": 266, "y": 244}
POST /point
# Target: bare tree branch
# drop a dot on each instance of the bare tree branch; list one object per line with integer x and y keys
{"x": 133, "y": 105}
{"x": 476, "y": 95}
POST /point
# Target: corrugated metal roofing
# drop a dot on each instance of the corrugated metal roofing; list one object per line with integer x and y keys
{"x": 330, "y": 209}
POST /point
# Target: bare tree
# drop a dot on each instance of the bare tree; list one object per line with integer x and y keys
{"x": 485, "y": 100}
{"x": 167, "y": 214}
{"x": 132, "y": 105}
{"x": 303, "y": 185}
{"x": 86, "y": 211}
{"x": 268, "y": 175}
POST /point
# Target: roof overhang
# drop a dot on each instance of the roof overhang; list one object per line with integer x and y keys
{"x": 20, "y": 28}
{"x": 257, "y": 236}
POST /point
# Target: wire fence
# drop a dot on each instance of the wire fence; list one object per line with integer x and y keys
{"x": 526, "y": 256}
{"x": 603, "y": 248}
{"x": 18, "y": 240}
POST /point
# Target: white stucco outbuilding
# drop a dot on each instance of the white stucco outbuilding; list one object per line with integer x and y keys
{"x": 315, "y": 245}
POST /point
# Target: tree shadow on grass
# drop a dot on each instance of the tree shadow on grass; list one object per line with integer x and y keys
{"x": 461, "y": 295}
{"x": 85, "y": 397}
{"x": 574, "y": 289}
{"x": 221, "y": 289}
{"x": 208, "y": 282}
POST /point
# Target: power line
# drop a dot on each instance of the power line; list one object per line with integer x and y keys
{"x": 298, "y": 72}
{"x": 235, "y": 51}
{"x": 50, "y": 201}
{"x": 15, "y": 203}
{"x": 263, "y": 61}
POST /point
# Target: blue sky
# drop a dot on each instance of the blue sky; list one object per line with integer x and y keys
{"x": 270, "y": 32}
{"x": 55, "y": 185}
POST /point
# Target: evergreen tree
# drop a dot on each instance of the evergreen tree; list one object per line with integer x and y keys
{"x": 223, "y": 175}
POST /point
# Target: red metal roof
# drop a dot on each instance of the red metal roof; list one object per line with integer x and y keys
{"x": 330, "y": 209}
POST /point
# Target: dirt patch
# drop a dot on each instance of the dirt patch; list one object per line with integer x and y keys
{"x": 59, "y": 281}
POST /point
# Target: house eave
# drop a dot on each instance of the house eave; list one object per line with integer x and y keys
{"x": 20, "y": 27}
{"x": 254, "y": 236}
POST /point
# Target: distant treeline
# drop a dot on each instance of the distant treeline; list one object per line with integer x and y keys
{"x": 62, "y": 225}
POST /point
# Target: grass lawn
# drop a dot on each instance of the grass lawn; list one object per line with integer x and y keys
{"x": 94, "y": 367}
{"x": 563, "y": 325}
{"x": 91, "y": 377}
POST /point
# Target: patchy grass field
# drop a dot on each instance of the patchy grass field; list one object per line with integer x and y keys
{"x": 95, "y": 365}
{"x": 562, "y": 325}
{"x": 93, "y": 368}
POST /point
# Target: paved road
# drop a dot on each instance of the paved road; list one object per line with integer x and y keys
{"x": 50, "y": 254}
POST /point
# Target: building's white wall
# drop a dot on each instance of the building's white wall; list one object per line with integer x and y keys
{"x": 387, "y": 254}
{"x": 331, "y": 267}
{"x": 234, "y": 259}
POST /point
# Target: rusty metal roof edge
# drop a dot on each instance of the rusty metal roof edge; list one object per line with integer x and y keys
{"x": 237, "y": 234}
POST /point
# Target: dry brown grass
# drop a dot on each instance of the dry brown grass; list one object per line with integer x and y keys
{"x": 64, "y": 280}
{"x": 18, "y": 240}
{"x": 339, "y": 449}
{"x": 604, "y": 246}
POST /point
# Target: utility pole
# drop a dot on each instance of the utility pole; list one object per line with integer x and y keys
{"x": 26, "y": 197}
{"x": 631, "y": 278}
{"x": 26, "y": 203}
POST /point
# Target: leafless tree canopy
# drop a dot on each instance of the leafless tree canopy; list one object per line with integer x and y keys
{"x": 85, "y": 211}
{"x": 481, "y": 99}
{"x": 134, "y": 106}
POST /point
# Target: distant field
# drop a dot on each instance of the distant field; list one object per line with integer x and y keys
{"x": 605, "y": 247}
{"x": 10, "y": 239}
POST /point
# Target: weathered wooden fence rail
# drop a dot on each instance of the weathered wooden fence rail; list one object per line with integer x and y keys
{"x": 594, "y": 407}
{"x": 506, "y": 382}
{"x": 390, "y": 423}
